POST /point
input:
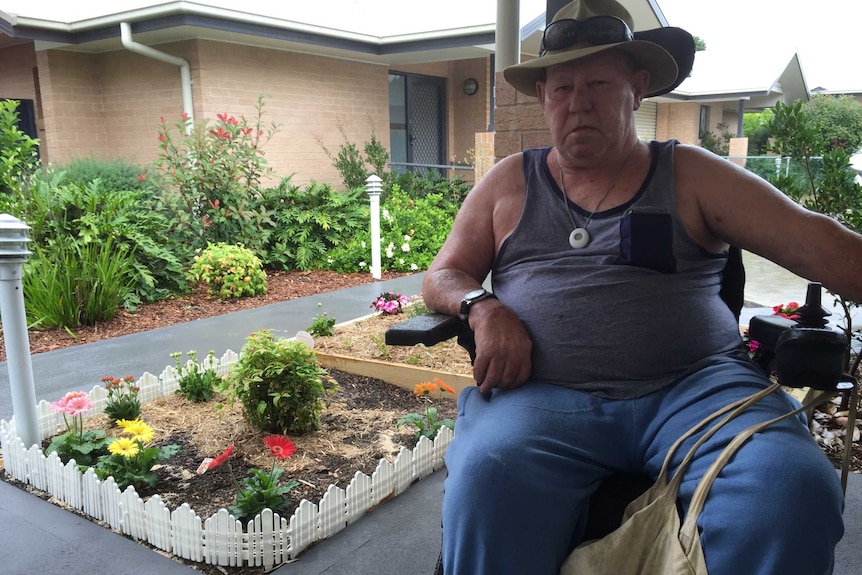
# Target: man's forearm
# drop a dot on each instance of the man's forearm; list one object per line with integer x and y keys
{"x": 443, "y": 289}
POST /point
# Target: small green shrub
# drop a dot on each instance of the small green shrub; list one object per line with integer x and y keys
{"x": 307, "y": 223}
{"x": 123, "y": 402}
{"x": 114, "y": 175}
{"x": 322, "y": 324}
{"x": 279, "y": 383}
{"x": 196, "y": 384}
{"x": 230, "y": 271}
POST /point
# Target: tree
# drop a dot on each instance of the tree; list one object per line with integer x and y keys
{"x": 829, "y": 188}
{"x": 839, "y": 121}
{"x": 755, "y": 127}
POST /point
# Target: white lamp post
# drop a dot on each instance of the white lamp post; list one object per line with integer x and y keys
{"x": 373, "y": 188}
{"x": 13, "y": 254}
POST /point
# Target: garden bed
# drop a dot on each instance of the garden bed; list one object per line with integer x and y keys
{"x": 376, "y": 462}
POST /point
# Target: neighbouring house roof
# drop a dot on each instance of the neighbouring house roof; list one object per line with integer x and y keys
{"x": 382, "y": 31}
{"x": 758, "y": 80}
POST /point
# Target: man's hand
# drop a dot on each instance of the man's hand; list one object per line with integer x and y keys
{"x": 503, "y": 347}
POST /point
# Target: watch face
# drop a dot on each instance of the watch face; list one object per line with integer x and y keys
{"x": 474, "y": 294}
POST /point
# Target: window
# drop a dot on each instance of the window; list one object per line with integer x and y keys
{"x": 703, "y": 128}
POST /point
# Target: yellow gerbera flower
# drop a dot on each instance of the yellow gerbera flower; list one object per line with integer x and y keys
{"x": 137, "y": 429}
{"x": 125, "y": 446}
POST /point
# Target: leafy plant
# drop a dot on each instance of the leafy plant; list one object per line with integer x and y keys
{"x": 131, "y": 461}
{"x": 389, "y": 303}
{"x": 717, "y": 143}
{"x": 213, "y": 174}
{"x": 307, "y": 224}
{"x": 428, "y": 423}
{"x": 381, "y": 346}
{"x": 72, "y": 284}
{"x": 19, "y": 154}
{"x": 322, "y": 325}
{"x": 113, "y": 175}
{"x": 230, "y": 271}
{"x": 123, "y": 402}
{"x": 261, "y": 490}
{"x": 64, "y": 214}
{"x": 416, "y": 307}
{"x": 196, "y": 384}
{"x": 279, "y": 384}
{"x": 82, "y": 446}
{"x": 355, "y": 168}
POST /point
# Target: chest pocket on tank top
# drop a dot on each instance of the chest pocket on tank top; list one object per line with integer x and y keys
{"x": 646, "y": 240}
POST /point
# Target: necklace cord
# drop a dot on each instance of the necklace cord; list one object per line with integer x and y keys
{"x": 608, "y": 191}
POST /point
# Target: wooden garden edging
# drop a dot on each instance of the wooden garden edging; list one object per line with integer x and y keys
{"x": 268, "y": 539}
{"x": 402, "y": 375}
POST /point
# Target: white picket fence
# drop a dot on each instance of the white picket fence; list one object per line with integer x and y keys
{"x": 267, "y": 540}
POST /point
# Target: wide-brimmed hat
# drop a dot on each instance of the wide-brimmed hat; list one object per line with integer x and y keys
{"x": 668, "y": 53}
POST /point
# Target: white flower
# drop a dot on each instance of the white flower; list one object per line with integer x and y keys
{"x": 386, "y": 215}
{"x": 414, "y": 267}
{"x": 362, "y": 264}
{"x": 329, "y": 260}
{"x": 405, "y": 247}
{"x": 406, "y": 238}
{"x": 401, "y": 261}
{"x": 390, "y": 249}
{"x": 363, "y": 244}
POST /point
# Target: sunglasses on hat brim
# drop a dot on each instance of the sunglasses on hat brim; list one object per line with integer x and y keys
{"x": 597, "y": 31}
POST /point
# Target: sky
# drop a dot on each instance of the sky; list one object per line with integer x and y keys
{"x": 826, "y": 34}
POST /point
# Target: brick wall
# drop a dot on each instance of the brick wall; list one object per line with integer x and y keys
{"x": 16, "y": 72}
{"x": 71, "y": 106}
{"x": 311, "y": 98}
{"x": 518, "y": 121}
{"x": 136, "y": 91}
{"x": 679, "y": 121}
{"x": 108, "y": 105}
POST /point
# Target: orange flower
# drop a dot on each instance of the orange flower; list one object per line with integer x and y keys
{"x": 444, "y": 386}
{"x": 280, "y": 446}
{"x": 424, "y": 388}
{"x": 220, "y": 458}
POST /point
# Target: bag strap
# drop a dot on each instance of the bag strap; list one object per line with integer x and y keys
{"x": 735, "y": 408}
{"x": 689, "y": 532}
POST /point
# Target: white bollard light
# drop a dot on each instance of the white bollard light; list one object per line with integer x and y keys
{"x": 373, "y": 187}
{"x": 13, "y": 253}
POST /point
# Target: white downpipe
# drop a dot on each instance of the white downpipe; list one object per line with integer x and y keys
{"x": 185, "y": 69}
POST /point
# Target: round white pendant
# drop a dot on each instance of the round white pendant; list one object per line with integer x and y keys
{"x": 579, "y": 238}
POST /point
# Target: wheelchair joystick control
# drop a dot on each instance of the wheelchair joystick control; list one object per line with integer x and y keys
{"x": 812, "y": 314}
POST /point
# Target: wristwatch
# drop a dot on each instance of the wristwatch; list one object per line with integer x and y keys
{"x": 469, "y": 300}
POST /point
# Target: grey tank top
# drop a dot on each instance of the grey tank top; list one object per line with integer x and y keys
{"x": 635, "y": 310}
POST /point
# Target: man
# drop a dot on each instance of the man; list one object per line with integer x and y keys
{"x": 606, "y": 338}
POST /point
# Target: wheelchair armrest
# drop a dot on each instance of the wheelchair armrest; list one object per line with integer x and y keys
{"x": 431, "y": 329}
{"x": 428, "y": 329}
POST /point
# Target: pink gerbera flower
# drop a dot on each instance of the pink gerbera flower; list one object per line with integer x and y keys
{"x": 73, "y": 403}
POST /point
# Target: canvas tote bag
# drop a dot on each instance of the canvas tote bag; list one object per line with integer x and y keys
{"x": 650, "y": 540}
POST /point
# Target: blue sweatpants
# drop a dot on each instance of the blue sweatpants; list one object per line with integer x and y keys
{"x": 523, "y": 464}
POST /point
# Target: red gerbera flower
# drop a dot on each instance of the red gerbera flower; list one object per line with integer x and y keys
{"x": 220, "y": 458}
{"x": 280, "y": 446}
